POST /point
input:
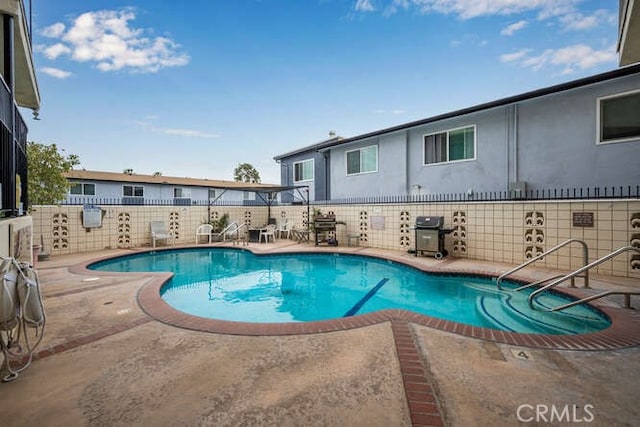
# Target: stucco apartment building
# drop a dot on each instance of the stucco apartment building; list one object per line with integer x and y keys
{"x": 583, "y": 133}
{"x": 128, "y": 188}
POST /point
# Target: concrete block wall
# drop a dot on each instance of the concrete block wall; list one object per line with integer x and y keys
{"x": 63, "y": 232}
{"x": 509, "y": 232}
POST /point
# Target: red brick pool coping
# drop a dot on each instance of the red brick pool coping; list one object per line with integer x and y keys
{"x": 623, "y": 332}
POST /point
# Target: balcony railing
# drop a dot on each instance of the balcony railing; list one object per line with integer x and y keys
{"x": 13, "y": 154}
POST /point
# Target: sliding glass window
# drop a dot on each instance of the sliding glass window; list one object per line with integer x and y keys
{"x": 362, "y": 160}
{"x": 450, "y": 146}
{"x": 303, "y": 171}
{"x": 619, "y": 118}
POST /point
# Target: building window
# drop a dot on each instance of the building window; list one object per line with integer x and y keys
{"x": 362, "y": 160}
{"x": 132, "y": 191}
{"x": 618, "y": 117}
{"x": 212, "y": 194}
{"x": 303, "y": 171}
{"x": 181, "y": 193}
{"x": 450, "y": 146}
{"x": 82, "y": 189}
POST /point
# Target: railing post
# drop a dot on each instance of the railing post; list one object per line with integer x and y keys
{"x": 585, "y": 255}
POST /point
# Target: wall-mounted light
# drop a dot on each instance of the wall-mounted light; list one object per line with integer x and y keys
{"x": 416, "y": 186}
{"x": 36, "y": 115}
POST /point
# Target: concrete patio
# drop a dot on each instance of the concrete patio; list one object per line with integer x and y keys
{"x": 103, "y": 361}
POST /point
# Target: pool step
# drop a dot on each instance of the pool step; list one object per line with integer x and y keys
{"x": 512, "y": 313}
{"x": 487, "y": 288}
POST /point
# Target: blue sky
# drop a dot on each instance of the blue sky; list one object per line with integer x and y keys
{"x": 194, "y": 89}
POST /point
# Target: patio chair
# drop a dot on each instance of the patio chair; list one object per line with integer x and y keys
{"x": 159, "y": 232}
{"x": 300, "y": 235}
{"x": 285, "y": 228}
{"x": 204, "y": 230}
{"x": 269, "y": 230}
{"x": 230, "y": 232}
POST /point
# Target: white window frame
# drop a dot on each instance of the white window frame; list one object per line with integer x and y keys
{"x": 184, "y": 191}
{"x": 447, "y": 131}
{"x": 83, "y": 186}
{"x": 133, "y": 190}
{"x": 346, "y": 162}
{"x": 599, "y": 140}
{"x": 313, "y": 170}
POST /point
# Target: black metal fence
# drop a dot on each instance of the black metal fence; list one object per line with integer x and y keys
{"x": 586, "y": 193}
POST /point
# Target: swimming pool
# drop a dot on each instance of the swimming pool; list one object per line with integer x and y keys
{"x": 236, "y": 285}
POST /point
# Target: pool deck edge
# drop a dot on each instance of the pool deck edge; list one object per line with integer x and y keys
{"x": 624, "y": 330}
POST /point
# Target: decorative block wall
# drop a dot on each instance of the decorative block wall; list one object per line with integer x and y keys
{"x": 508, "y": 232}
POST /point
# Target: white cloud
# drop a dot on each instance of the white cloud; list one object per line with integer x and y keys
{"x": 55, "y": 72}
{"x": 515, "y": 56}
{"x": 106, "y": 39}
{"x": 394, "y": 112}
{"x": 568, "y": 58}
{"x": 468, "y": 39}
{"x": 510, "y": 29}
{"x": 582, "y": 56}
{"x": 149, "y": 119}
{"x": 186, "y": 132}
{"x": 53, "y": 31}
{"x": 364, "y": 6}
{"x": 577, "y": 21}
{"x": 55, "y": 50}
{"x": 467, "y": 9}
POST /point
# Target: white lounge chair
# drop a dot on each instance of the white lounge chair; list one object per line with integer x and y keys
{"x": 159, "y": 232}
{"x": 230, "y": 232}
{"x": 204, "y": 230}
{"x": 285, "y": 228}
{"x": 269, "y": 230}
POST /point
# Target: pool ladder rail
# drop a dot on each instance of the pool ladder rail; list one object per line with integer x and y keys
{"x": 585, "y": 256}
{"x": 580, "y": 272}
{"x": 586, "y": 268}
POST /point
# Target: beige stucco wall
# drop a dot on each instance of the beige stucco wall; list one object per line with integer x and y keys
{"x": 507, "y": 232}
{"x": 10, "y": 231}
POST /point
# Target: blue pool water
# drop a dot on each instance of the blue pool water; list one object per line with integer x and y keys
{"x": 236, "y": 285}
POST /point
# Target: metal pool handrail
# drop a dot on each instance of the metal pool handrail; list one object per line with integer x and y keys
{"x": 586, "y": 268}
{"x": 585, "y": 252}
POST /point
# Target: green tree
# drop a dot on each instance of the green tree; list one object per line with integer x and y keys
{"x": 245, "y": 172}
{"x": 45, "y": 168}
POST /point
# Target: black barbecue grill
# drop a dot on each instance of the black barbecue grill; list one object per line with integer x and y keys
{"x": 429, "y": 236}
{"x": 323, "y": 224}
